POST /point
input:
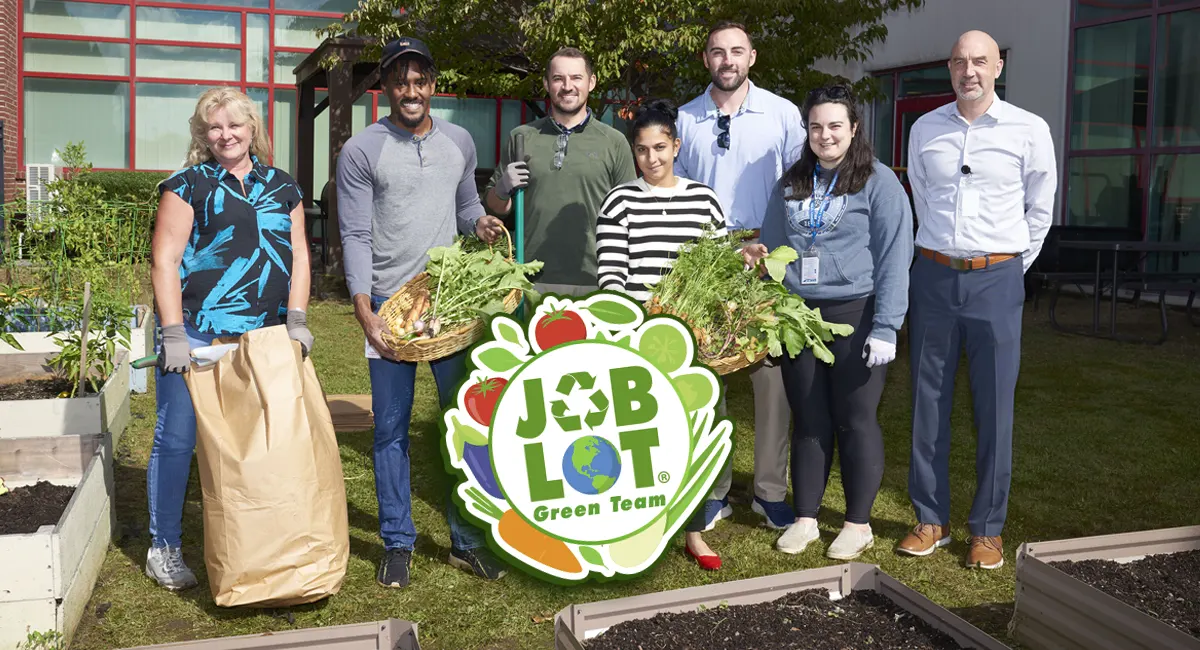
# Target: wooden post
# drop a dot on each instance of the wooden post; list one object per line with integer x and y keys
{"x": 83, "y": 339}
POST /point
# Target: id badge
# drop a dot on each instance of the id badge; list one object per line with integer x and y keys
{"x": 810, "y": 268}
{"x": 369, "y": 351}
{"x": 970, "y": 202}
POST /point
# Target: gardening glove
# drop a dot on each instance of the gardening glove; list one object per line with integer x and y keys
{"x": 878, "y": 352}
{"x": 515, "y": 175}
{"x": 176, "y": 355}
{"x": 297, "y": 327}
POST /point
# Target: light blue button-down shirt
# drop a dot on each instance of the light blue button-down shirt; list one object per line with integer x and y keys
{"x": 765, "y": 139}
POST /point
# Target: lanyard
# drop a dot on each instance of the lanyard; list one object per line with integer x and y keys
{"x": 816, "y": 213}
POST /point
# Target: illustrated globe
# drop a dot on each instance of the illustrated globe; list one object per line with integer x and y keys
{"x": 591, "y": 465}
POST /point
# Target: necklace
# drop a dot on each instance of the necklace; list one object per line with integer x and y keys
{"x": 659, "y": 200}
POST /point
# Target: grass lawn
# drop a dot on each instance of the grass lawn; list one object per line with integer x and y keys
{"x": 1106, "y": 441}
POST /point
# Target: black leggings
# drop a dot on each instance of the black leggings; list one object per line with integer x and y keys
{"x": 837, "y": 403}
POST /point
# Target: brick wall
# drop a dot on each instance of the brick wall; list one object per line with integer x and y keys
{"x": 9, "y": 15}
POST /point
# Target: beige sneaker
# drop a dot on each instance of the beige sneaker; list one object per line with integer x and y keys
{"x": 923, "y": 540}
{"x": 798, "y": 536}
{"x": 986, "y": 553}
{"x": 850, "y": 543}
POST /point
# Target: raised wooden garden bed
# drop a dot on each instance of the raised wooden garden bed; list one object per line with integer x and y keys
{"x": 575, "y": 625}
{"x": 107, "y": 412}
{"x": 141, "y": 344}
{"x": 391, "y": 634}
{"x": 48, "y": 575}
{"x": 1055, "y": 610}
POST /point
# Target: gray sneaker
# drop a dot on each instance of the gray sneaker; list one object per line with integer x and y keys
{"x": 165, "y": 565}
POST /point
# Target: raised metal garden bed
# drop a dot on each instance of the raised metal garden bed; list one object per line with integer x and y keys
{"x": 577, "y": 623}
{"x": 107, "y": 412}
{"x": 47, "y": 576}
{"x": 391, "y": 634}
{"x": 141, "y": 344}
{"x": 1056, "y": 611}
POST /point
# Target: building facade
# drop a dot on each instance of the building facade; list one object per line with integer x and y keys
{"x": 1118, "y": 82}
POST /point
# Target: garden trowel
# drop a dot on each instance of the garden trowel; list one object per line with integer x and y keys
{"x": 201, "y": 357}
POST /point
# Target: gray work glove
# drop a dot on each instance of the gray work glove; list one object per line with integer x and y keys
{"x": 515, "y": 175}
{"x": 176, "y": 354}
{"x": 297, "y": 327}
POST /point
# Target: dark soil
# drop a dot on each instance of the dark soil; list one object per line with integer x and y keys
{"x": 1166, "y": 587}
{"x": 35, "y": 389}
{"x": 806, "y": 619}
{"x": 25, "y": 509}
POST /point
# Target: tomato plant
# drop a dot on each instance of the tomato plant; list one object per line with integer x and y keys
{"x": 481, "y": 399}
{"x": 558, "y": 327}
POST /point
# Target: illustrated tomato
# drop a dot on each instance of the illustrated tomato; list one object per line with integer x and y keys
{"x": 558, "y": 327}
{"x": 481, "y": 399}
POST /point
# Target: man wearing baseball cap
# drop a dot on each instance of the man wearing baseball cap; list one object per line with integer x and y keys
{"x": 407, "y": 184}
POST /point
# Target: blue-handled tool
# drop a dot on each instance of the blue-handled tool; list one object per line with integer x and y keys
{"x": 519, "y": 213}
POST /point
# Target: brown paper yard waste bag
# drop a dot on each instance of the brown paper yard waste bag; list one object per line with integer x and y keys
{"x": 275, "y": 525}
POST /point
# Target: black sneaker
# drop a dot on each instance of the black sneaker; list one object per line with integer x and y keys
{"x": 393, "y": 570}
{"x": 478, "y": 561}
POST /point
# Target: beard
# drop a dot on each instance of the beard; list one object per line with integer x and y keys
{"x": 561, "y": 107}
{"x": 738, "y": 80}
{"x": 968, "y": 95}
{"x": 411, "y": 122}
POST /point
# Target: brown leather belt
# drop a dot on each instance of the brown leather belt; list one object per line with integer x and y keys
{"x": 967, "y": 263}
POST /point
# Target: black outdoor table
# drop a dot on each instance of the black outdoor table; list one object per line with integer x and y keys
{"x": 1116, "y": 248}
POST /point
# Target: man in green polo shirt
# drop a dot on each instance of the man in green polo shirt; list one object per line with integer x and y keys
{"x": 572, "y": 160}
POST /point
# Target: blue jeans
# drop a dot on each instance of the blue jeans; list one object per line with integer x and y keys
{"x": 392, "y": 387}
{"x": 171, "y": 452}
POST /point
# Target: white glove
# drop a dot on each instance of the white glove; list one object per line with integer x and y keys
{"x": 878, "y": 353}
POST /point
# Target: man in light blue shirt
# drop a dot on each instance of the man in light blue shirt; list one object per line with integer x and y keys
{"x": 739, "y": 139}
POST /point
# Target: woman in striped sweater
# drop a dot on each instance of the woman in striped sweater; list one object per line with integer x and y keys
{"x": 641, "y": 226}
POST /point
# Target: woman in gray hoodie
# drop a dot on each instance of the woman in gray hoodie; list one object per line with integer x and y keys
{"x": 850, "y": 220}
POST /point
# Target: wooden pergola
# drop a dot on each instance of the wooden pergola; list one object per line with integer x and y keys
{"x": 347, "y": 80}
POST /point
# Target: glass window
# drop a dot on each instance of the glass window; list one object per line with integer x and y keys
{"x": 182, "y": 62}
{"x": 1104, "y": 191}
{"x": 284, "y": 130}
{"x": 79, "y": 57}
{"x": 1175, "y": 208}
{"x": 510, "y": 118}
{"x": 233, "y": 4}
{"x": 285, "y": 65}
{"x": 163, "y": 134}
{"x": 158, "y": 24}
{"x": 332, "y": 6}
{"x": 286, "y": 124}
{"x": 52, "y": 119}
{"x": 885, "y": 119}
{"x": 299, "y": 31}
{"x": 1112, "y": 80}
{"x": 1177, "y": 84}
{"x": 258, "y": 58}
{"x": 478, "y": 117}
{"x": 1089, "y": 10}
{"x": 85, "y": 19}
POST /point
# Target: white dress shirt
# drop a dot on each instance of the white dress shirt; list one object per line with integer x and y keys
{"x": 1009, "y": 193}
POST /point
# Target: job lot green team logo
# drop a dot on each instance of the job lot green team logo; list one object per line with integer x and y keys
{"x": 586, "y": 437}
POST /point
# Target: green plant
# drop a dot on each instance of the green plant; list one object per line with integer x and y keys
{"x": 129, "y": 185}
{"x": 14, "y": 299}
{"x": 101, "y": 357}
{"x": 48, "y": 640}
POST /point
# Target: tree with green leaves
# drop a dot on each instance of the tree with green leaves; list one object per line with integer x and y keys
{"x": 640, "y": 48}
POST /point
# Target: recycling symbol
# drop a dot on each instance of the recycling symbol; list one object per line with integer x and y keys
{"x": 567, "y": 385}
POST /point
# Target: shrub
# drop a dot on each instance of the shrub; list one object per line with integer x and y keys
{"x": 129, "y": 186}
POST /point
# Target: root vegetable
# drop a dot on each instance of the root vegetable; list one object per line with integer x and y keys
{"x": 536, "y": 545}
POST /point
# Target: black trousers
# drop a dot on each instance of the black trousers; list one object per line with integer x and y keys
{"x": 835, "y": 405}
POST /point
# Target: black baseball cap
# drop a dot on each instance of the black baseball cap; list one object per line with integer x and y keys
{"x": 401, "y": 46}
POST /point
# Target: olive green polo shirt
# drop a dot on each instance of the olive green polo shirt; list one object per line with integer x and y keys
{"x": 562, "y": 205}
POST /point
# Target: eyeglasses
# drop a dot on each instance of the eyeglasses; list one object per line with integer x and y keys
{"x": 723, "y": 136}
{"x": 560, "y": 150}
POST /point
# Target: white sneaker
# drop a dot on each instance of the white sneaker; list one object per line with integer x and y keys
{"x": 165, "y": 565}
{"x": 850, "y": 544}
{"x": 798, "y": 536}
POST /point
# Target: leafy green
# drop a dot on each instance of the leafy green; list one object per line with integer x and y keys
{"x": 732, "y": 310}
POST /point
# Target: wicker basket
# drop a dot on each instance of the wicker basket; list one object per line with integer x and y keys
{"x": 724, "y": 365}
{"x": 729, "y": 365}
{"x": 448, "y": 341}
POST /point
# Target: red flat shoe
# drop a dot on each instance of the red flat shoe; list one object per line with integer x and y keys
{"x": 706, "y": 562}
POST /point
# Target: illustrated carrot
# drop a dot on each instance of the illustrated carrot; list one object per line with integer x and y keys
{"x": 527, "y": 540}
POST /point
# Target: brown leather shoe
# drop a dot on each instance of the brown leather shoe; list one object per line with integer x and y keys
{"x": 924, "y": 539}
{"x": 986, "y": 553}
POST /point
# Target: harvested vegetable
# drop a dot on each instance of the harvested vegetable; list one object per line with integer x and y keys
{"x": 733, "y": 310}
{"x": 527, "y": 540}
{"x": 467, "y": 279}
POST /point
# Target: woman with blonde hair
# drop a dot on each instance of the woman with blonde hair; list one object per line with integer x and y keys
{"x": 229, "y": 255}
